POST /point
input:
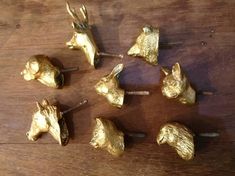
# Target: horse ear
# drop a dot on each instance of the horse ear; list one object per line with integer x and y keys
{"x": 176, "y": 72}
{"x": 45, "y": 102}
{"x": 39, "y": 106}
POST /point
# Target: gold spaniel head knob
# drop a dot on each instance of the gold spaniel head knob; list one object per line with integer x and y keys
{"x": 176, "y": 85}
{"x": 40, "y": 68}
{"x": 49, "y": 119}
{"x": 146, "y": 45}
{"x": 106, "y": 136}
{"x": 179, "y": 137}
{"x": 83, "y": 39}
{"x": 108, "y": 86}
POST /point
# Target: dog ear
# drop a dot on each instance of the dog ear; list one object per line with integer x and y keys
{"x": 34, "y": 67}
{"x": 176, "y": 72}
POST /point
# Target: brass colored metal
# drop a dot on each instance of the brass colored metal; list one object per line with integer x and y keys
{"x": 147, "y": 45}
{"x": 179, "y": 137}
{"x": 106, "y": 136}
{"x": 39, "y": 67}
{"x": 176, "y": 85}
{"x": 83, "y": 38}
{"x": 108, "y": 86}
{"x": 48, "y": 118}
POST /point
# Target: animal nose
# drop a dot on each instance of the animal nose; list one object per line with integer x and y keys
{"x": 160, "y": 139}
{"x": 23, "y": 72}
{"x": 70, "y": 45}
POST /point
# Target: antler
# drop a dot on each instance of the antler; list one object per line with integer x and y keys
{"x": 78, "y": 22}
{"x": 84, "y": 13}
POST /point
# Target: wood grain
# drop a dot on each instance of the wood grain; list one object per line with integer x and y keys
{"x": 207, "y": 32}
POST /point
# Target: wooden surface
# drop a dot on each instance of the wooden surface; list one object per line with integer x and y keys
{"x": 207, "y": 32}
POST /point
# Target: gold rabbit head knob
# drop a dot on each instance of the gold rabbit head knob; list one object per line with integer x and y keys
{"x": 176, "y": 85}
{"x": 39, "y": 67}
{"x": 179, "y": 137}
{"x": 106, "y": 136}
{"x": 49, "y": 119}
{"x": 108, "y": 86}
{"x": 83, "y": 38}
{"x": 146, "y": 45}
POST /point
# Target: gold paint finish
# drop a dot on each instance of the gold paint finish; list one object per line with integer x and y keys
{"x": 176, "y": 85}
{"x": 83, "y": 38}
{"x": 49, "y": 119}
{"x": 146, "y": 45}
{"x": 106, "y": 136}
{"x": 108, "y": 86}
{"x": 40, "y": 68}
{"x": 179, "y": 137}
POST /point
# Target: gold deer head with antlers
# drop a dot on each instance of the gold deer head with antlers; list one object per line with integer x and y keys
{"x": 83, "y": 38}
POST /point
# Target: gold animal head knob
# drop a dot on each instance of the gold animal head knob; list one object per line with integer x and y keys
{"x": 48, "y": 118}
{"x": 146, "y": 45}
{"x": 108, "y": 86}
{"x": 83, "y": 38}
{"x": 176, "y": 85}
{"x": 179, "y": 137}
{"x": 106, "y": 136}
{"x": 39, "y": 67}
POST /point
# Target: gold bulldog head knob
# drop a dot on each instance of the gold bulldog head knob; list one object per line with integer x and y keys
{"x": 179, "y": 137}
{"x": 108, "y": 86}
{"x": 83, "y": 38}
{"x": 39, "y": 67}
{"x": 48, "y": 118}
{"x": 176, "y": 85}
{"x": 106, "y": 136}
{"x": 147, "y": 45}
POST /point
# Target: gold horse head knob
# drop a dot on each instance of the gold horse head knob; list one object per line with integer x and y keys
{"x": 48, "y": 118}
{"x": 179, "y": 137}
{"x": 176, "y": 85}
{"x": 147, "y": 45}
{"x": 83, "y": 38}
{"x": 106, "y": 136}
{"x": 108, "y": 86}
{"x": 40, "y": 68}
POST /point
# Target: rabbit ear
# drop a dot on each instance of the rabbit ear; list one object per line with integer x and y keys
{"x": 117, "y": 70}
{"x": 176, "y": 72}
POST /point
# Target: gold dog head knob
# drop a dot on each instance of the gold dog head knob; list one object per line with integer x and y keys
{"x": 83, "y": 38}
{"x": 108, "y": 86}
{"x": 106, "y": 136}
{"x": 179, "y": 137}
{"x": 48, "y": 118}
{"x": 39, "y": 67}
{"x": 147, "y": 45}
{"x": 176, "y": 85}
